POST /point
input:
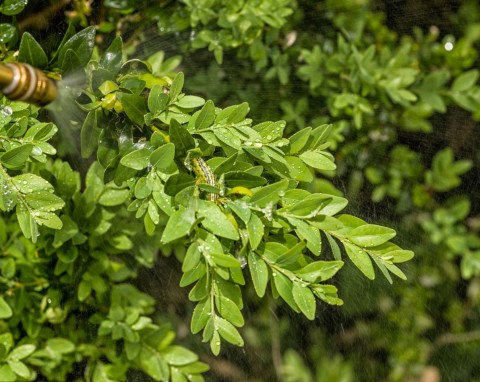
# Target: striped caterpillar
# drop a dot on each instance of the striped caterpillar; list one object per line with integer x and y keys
{"x": 205, "y": 175}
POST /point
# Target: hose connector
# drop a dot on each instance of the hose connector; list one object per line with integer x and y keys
{"x": 23, "y": 82}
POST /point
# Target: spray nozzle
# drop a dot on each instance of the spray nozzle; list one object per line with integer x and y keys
{"x": 23, "y": 82}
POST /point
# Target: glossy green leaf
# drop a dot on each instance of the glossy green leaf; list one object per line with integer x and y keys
{"x": 201, "y": 315}
{"x": 229, "y": 310}
{"x": 31, "y": 52}
{"x": 21, "y": 352}
{"x": 319, "y": 270}
{"x": 299, "y": 140}
{"x": 70, "y": 64}
{"x": 135, "y": 107}
{"x": 137, "y": 159}
{"x": 370, "y": 235}
{"x": 163, "y": 156}
{"x": 5, "y": 310}
{"x": 258, "y": 272}
{"x": 177, "y": 183}
{"x": 228, "y": 332}
{"x": 305, "y": 300}
{"x": 361, "y": 259}
{"x": 190, "y": 101}
{"x": 206, "y": 116}
{"x": 81, "y": 43}
{"x": 179, "y": 356}
{"x": 181, "y": 138}
{"x": 270, "y": 194}
{"x": 113, "y": 197}
{"x": 243, "y": 179}
{"x": 255, "y": 230}
{"x": 465, "y": 81}
{"x": 214, "y": 220}
{"x": 157, "y": 99}
{"x": 7, "y": 33}
{"x": 7, "y": 374}
{"x": 44, "y": 201}
{"x": 89, "y": 134}
{"x": 317, "y": 160}
{"x": 12, "y": 7}
{"x": 16, "y": 157}
{"x": 177, "y": 85}
{"x": 112, "y": 58}
{"x": 20, "y": 369}
{"x": 284, "y": 287}
{"x": 179, "y": 224}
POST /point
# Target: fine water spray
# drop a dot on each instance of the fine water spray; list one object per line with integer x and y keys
{"x": 23, "y": 82}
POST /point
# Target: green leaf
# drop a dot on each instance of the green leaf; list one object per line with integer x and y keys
{"x": 298, "y": 170}
{"x": 16, "y": 157}
{"x": 89, "y": 134}
{"x": 361, "y": 259}
{"x": 190, "y": 102}
{"x": 137, "y": 159}
{"x": 7, "y": 374}
{"x": 370, "y": 235}
{"x": 12, "y": 7}
{"x": 308, "y": 233}
{"x": 31, "y": 52}
{"x": 229, "y": 310}
{"x": 177, "y": 183}
{"x": 319, "y": 270}
{"x": 182, "y": 139}
{"x": 243, "y": 179}
{"x": 206, "y": 116}
{"x": 227, "y": 137}
{"x": 317, "y": 160}
{"x": 214, "y": 220}
{"x": 179, "y": 224}
{"x": 284, "y": 287}
{"x": 401, "y": 255}
{"x": 255, "y": 230}
{"x": 299, "y": 140}
{"x": 223, "y": 260}
{"x": 269, "y": 194}
{"x": 113, "y": 197}
{"x": 135, "y": 107}
{"x": 238, "y": 113}
{"x": 21, "y": 352}
{"x": 163, "y": 157}
{"x": 201, "y": 315}
{"x": 5, "y": 310}
{"x": 258, "y": 272}
{"x": 228, "y": 332}
{"x": 82, "y": 44}
{"x": 20, "y": 369}
{"x": 7, "y": 33}
{"x": 71, "y": 63}
{"x": 157, "y": 99}
{"x": 28, "y": 183}
{"x": 176, "y": 86}
{"x": 60, "y": 345}
{"x": 305, "y": 300}
{"x": 44, "y": 201}
{"x": 112, "y": 58}
{"x": 465, "y": 81}
{"x": 178, "y": 356}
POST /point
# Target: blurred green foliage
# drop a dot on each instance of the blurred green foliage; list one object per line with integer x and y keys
{"x": 242, "y": 205}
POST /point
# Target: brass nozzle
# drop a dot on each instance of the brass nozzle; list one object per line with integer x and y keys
{"x": 23, "y": 82}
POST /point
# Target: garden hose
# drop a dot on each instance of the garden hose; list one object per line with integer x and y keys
{"x": 22, "y": 82}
